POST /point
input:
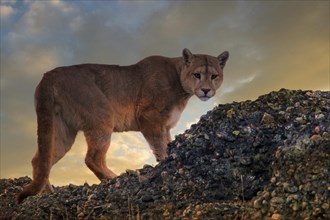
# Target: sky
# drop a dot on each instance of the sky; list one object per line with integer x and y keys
{"x": 272, "y": 45}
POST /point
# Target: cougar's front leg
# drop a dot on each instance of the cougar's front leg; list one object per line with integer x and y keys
{"x": 158, "y": 138}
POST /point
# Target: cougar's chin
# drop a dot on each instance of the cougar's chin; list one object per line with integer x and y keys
{"x": 204, "y": 98}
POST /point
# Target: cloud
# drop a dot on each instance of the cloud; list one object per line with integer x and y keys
{"x": 6, "y": 11}
{"x": 41, "y": 17}
{"x": 39, "y": 40}
{"x": 284, "y": 50}
{"x": 8, "y": 2}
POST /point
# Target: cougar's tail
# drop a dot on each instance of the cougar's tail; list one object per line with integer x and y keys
{"x": 42, "y": 161}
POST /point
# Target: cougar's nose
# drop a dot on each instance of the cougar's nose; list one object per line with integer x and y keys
{"x": 206, "y": 91}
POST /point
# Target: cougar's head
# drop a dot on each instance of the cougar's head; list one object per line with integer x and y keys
{"x": 202, "y": 75}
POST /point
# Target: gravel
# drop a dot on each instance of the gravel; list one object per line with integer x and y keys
{"x": 262, "y": 159}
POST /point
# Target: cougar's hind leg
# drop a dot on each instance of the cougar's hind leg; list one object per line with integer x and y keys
{"x": 64, "y": 139}
{"x": 98, "y": 143}
{"x": 44, "y": 100}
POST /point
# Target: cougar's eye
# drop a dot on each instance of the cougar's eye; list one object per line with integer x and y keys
{"x": 214, "y": 76}
{"x": 197, "y": 75}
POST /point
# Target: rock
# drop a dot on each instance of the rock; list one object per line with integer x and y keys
{"x": 290, "y": 188}
{"x": 325, "y": 206}
{"x": 245, "y": 161}
{"x": 147, "y": 198}
{"x": 276, "y": 201}
{"x": 166, "y": 213}
{"x": 81, "y": 215}
{"x": 236, "y": 132}
{"x": 296, "y": 207}
{"x": 316, "y": 137}
{"x": 257, "y": 204}
{"x": 277, "y": 216}
{"x": 267, "y": 119}
{"x": 317, "y": 129}
{"x": 230, "y": 113}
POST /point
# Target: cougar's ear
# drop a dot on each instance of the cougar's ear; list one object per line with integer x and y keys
{"x": 223, "y": 58}
{"x": 187, "y": 56}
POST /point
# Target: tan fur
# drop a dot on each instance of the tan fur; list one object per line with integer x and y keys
{"x": 100, "y": 99}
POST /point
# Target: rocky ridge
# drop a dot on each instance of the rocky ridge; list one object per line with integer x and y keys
{"x": 262, "y": 159}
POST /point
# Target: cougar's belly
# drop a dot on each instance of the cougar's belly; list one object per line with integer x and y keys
{"x": 125, "y": 120}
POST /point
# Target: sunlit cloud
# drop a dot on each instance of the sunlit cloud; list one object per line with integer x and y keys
{"x": 247, "y": 79}
{"x": 6, "y": 11}
{"x": 188, "y": 124}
